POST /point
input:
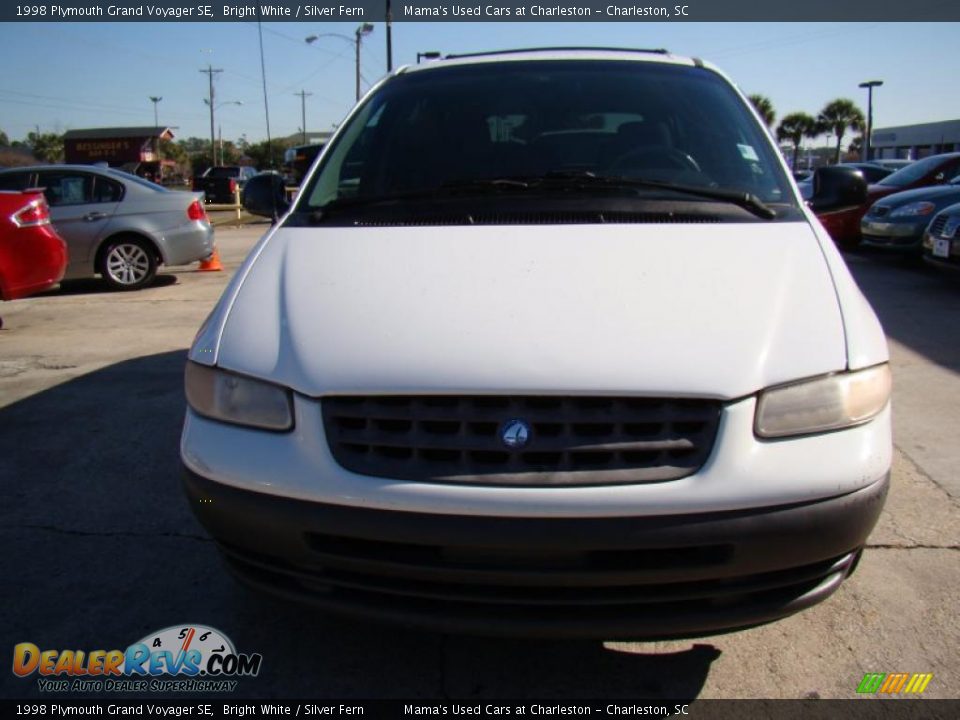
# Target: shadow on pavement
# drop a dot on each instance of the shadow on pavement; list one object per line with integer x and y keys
{"x": 918, "y": 306}
{"x": 100, "y": 549}
{"x": 96, "y": 286}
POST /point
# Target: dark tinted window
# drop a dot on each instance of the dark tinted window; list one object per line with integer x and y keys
{"x": 14, "y": 181}
{"x": 653, "y": 121}
{"x": 106, "y": 190}
{"x": 918, "y": 170}
{"x": 66, "y": 188}
{"x": 224, "y": 172}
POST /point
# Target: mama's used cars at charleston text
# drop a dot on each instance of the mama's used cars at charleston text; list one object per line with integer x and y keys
{"x": 547, "y": 344}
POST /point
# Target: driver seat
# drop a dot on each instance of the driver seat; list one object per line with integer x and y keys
{"x": 633, "y": 136}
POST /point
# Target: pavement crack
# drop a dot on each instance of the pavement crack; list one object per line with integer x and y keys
{"x": 923, "y": 473}
{"x": 113, "y": 534}
{"x": 916, "y": 546}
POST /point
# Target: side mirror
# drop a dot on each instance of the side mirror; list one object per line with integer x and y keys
{"x": 836, "y": 187}
{"x": 265, "y": 195}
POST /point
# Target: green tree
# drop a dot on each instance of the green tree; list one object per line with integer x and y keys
{"x": 856, "y": 146}
{"x": 47, "y": 147}
{"x": 170, "y": 150}
{"x": 265, "y": 158}
{"x": 764, "y": 108}
{"x": 195, "y": 144}
{"x": 4, "y": 140}
{"x": 795, "y": 127}
{"x": 837, "y": 117}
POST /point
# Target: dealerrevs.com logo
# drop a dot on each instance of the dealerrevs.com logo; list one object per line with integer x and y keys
{"x": 186, "y": 658}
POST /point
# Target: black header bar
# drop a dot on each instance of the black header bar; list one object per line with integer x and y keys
{"x": 360, "y": 11}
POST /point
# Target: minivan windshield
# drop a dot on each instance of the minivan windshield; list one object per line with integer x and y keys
{"x": 500, "y": 125}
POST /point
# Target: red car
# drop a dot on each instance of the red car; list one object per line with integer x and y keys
{"x": 33, "y": 256}
{"x": 844, "y": 225}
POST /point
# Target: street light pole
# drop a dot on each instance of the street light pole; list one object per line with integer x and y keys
{"x": 389, "y": 38}
{"x": 213, "y": 147}
{"x": 362, "y": 30}
{"x": 869, "y": 85}
{"x": 155, "y": 99}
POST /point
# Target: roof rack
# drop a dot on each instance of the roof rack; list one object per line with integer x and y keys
{"x": 655, "y": 51}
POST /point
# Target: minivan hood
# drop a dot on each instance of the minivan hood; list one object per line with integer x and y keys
{"x": 705, "y": 310}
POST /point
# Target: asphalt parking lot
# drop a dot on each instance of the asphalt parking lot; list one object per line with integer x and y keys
{"x": 100, "y": 547}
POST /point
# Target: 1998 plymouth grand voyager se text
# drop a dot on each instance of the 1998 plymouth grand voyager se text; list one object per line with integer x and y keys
{"x": 548, "y": 344}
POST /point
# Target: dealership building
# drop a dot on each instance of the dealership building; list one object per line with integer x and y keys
{"x": 134, "y": 149}
{"x": 913, "y": 142}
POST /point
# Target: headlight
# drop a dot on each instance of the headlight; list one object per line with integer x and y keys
{"x": 914, "y": 209}
{"x": 830, "y": 402}
{"x": 230, "y": 398}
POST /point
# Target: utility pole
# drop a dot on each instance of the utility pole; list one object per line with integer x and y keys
{"x": 211, "y": 71}
{"x": 303, "y": 94}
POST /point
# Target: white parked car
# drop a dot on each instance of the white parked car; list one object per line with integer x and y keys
{"x": 547, "y": 344}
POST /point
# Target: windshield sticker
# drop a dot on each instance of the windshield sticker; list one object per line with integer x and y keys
{"x": 748, "y": 153}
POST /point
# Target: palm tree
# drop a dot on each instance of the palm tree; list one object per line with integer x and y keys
{"x": 764, "y": 108}
{"x": 856, "y": 146}
{"x": 47, "y": 147}
{"x": 837, "y": 117}
{"x": 795, "y": 127}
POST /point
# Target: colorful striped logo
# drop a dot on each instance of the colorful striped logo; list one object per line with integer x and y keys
{"x": 892, "y": 683}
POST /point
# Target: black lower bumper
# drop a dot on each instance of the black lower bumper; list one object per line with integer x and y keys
{"x": 626, "y": 577}
{"x": 894, "y": 243}
{"x": 950, "y": 263}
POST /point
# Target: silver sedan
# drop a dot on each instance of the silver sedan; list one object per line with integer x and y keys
{"x": 118, "y": 225}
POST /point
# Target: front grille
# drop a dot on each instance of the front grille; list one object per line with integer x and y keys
{"x": 937, "y": 226}
{"x": 572, "y": 440}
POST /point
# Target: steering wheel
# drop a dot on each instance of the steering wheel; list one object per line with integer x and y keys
{"x": 660, "y": 158}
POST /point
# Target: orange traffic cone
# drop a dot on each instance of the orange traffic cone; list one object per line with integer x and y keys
{"x": 211, "y": 264}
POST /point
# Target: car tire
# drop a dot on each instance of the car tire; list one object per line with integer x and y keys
{"x": 128, "y": 263}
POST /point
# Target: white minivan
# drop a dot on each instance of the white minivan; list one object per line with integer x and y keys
{"x": 547, "y": 344}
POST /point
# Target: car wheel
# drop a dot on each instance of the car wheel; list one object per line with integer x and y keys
{"x": 128, "y": 264}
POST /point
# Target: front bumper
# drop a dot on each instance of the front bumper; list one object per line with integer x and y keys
{"x": 903, "y": 236}
{"x": 952, "y": 258}
{"x": 609, "y": 577}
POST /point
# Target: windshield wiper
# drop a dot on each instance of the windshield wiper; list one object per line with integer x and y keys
{"x": 585, "y": 178}
{"x": 580, "y": 179}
